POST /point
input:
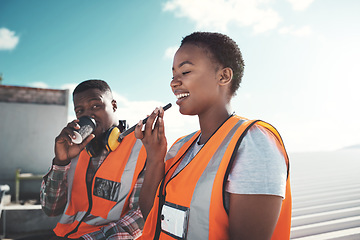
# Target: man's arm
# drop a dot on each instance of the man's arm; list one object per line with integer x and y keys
{"x": 129, "y": 226}
{"x": 53, "y": 191}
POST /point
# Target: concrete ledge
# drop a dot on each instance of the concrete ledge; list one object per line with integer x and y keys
{"x": 26, "y": 219}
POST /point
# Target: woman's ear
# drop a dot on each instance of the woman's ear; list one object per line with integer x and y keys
{"x": 226, "y": 75}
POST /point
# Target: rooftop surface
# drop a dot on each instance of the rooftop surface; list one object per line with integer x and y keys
{"x": 325, "y": 190}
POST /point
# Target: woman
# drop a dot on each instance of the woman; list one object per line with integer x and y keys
{"x": 230, "y": 180}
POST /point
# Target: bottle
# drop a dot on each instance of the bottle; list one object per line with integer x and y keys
{"x": 87, "y": 126}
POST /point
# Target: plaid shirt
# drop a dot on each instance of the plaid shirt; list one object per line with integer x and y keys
{"x": 53, "y": 197}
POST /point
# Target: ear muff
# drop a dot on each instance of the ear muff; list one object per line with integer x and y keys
{"x": 90, "y": 150}
{"x": 111, "y": 139}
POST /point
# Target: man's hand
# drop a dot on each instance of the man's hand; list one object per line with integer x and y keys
{"x": 65, "y": 149}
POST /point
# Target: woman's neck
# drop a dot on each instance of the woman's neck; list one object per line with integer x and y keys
{"x": 211, "y": 121}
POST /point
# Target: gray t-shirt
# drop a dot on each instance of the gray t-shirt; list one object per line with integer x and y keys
{"x": 259, "y": 166}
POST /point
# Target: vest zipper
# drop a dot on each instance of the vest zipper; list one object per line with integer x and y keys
{"x": 162, "y": 194}
{"x": 88, "y": 185}
{"x": 194, "y": 142}
{"x": 164, "y": 185}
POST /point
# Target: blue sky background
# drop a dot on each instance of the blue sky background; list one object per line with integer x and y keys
{"x": 302, "y": 58}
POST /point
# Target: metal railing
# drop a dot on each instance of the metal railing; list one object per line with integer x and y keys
{"x": 23, "y": 176}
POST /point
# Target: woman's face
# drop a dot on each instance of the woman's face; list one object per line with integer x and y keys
{"x": 195, "y": 80}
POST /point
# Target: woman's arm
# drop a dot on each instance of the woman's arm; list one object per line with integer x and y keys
{"x": 154, "y": 140}
{"x": 253, "y": 216}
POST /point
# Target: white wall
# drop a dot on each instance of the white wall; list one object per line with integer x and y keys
{"x": 27, "y": 134}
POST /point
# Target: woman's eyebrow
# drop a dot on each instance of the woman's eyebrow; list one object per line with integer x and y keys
{"x": 183, "y": 63}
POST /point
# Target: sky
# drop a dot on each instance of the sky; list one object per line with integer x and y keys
{"x": 301, "y": 58}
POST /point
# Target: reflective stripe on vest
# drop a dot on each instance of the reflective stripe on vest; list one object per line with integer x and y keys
{"x": 87, "y": 210}
{"x": 200, "y": 185}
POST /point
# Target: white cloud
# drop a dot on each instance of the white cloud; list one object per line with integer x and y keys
{"x": 299, "y": 5}
{"x": 299, "y": 32}
{"x": 218, "y": 14}
{"x": 170, "y": 52}
{"x": 39, "y": 85}
{"x": 268, "y": 21}
{"x": 8, "y": 39}
{"x": 69, "y": 86}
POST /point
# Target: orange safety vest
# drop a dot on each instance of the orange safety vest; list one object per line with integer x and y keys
{"x": 89, "y": 207}
{"x": 198, "y": 189}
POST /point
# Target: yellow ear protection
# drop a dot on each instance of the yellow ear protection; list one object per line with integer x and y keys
{"x": 90, "y": 150}
{"x": 115, "y": 134}
{"x": 111, "y": 139}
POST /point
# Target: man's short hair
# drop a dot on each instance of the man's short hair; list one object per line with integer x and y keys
{"x": 90, "y": 84}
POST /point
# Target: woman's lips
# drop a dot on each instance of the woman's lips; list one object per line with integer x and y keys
{"x": 181, "y": 97}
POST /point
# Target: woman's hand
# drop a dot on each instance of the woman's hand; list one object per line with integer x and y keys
{"x": 153, "y": 136}
{"x": 154, "y": 140}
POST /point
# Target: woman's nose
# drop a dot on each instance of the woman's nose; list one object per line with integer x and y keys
{"x": 175, "y": 82}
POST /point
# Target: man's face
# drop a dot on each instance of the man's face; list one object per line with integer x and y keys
{"x": 98, "y": 105}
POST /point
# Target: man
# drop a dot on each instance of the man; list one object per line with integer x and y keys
{"x": 95, "y": 189}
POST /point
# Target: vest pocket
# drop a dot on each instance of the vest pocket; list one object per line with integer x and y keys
{"x": 106, "y": 189}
